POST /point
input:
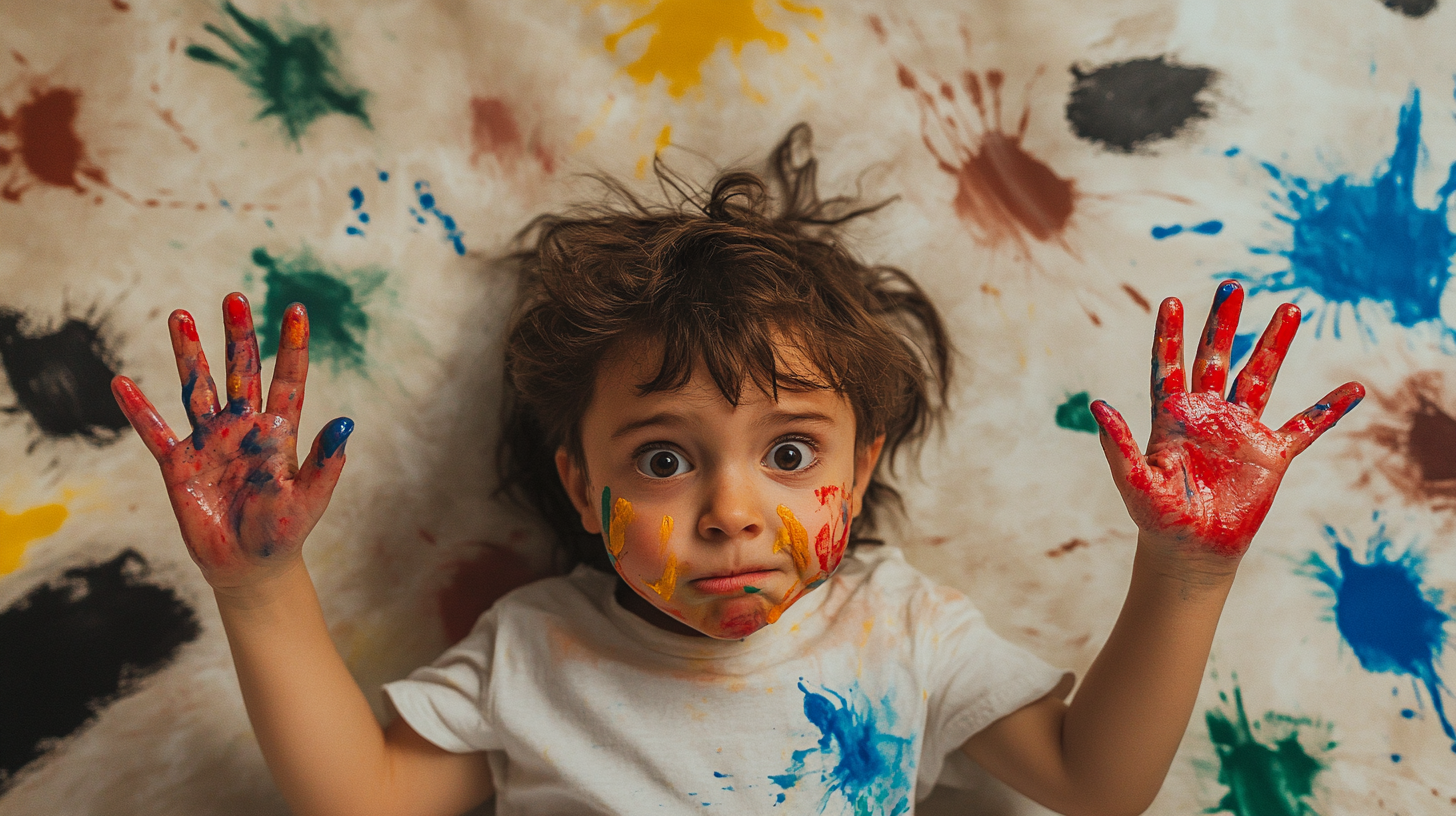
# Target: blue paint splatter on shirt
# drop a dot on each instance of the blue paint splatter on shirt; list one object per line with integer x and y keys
{"x": 1389, "y": 617}
{"x": 857, "y": 757}
{"x": 428, "y": 206}
{"x": 1355, "y": 243}
{"x": 1205, "y": 228}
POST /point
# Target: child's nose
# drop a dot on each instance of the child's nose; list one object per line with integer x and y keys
{"x": 732, "y": 509}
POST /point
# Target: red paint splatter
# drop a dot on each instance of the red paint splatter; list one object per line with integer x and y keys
{"x": 1417, "y": 427}
{"x": 1063, "y": 549}
{"x": 478, "y": 582}
{"x": 43, "y": 137}
{"x": 493, "y": 130}
{"x": 825, "y": 493}
{"x": 1137, "y": 297}
{"x": 171, "y": 121}
{"x": 121, "y": 5}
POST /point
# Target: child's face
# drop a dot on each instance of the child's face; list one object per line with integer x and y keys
{"x": 719, "y": 516}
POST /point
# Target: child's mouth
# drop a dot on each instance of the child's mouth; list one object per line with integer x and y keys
{"x": 735, "y": 583}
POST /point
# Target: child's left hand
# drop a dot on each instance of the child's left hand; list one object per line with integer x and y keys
{"x": 1212, "y": 467}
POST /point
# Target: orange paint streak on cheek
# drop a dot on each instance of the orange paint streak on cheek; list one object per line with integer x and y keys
{"x": 622, "y": 515}
{"x": 666, "y": 585}
{"x": 792, "y": 537}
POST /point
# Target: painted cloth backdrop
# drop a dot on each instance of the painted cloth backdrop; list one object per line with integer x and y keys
{"x": 1059, "y": 168}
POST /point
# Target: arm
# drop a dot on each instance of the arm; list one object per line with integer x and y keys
{"x": 1210, "y": 474}
{"x": 245, "y": 504}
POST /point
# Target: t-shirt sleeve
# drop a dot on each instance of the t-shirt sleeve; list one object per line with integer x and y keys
{"x": 973, "y": 676}
{"x": 449, "y": 702}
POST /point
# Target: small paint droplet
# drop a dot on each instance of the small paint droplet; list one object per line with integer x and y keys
{"x": 1407, "y": 713}
{"x": 1076, "y": 414}
{"x": 1395, "y": 757}
{"x": 383, "y": 176}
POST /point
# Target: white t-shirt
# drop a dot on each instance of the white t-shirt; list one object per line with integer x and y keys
{"x": 849, "y": 704}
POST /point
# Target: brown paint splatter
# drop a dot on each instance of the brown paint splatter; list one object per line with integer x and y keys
{"x": 493, "y": 130}
{"x": 480, "y": 581}
{"x": 1137, "y": 297}
{"x": 1420, "y": 438}
{"x": 41, "y": 134}
{"x": 1063, "y": 549}
{"x": 121, "y": 5}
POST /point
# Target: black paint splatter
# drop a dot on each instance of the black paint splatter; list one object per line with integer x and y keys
{"x": 70, "y": 648}
{"x": 1411, "y": 8}
{"x": 62, "y": 378}
{"x": 1125, "y": 105}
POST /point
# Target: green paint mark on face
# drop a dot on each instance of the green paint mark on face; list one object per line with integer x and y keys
{"x": 606, "y": 510}
{"x": 1076, "y": 415}
{"x": 291, "y": 70}
{"x": 751, "y": 589}
{"x": 1272, "y": 777}
{"x": 334, "y": 299}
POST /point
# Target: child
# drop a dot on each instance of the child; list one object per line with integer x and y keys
{"x": 711, "y": 392}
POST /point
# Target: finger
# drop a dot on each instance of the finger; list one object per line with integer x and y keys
{"x": 325, "y": 461}
{"x": 1301, "y": 431}
{"x": 1210, "y": 367}
{"x": 1168, "y": 352}
{"x": 1252, "y": 386}
{"x": 199, "y": 394}
{"x": 143, "y": 416}
{"x": 244, "y": 381}
{"x": 285, "y": 393}
{"x": 1123, "y": 454}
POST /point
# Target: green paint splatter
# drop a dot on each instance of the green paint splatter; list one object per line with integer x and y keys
{"x": 1273, "y": 777}
{"x": 606, "y": 512}
{"x": 291, "y": 70}
{"x": 1076, "y": 415}
{"x": 334, "y": 298}
{"x": 751, "y": 589}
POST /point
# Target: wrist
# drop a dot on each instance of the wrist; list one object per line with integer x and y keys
{"x": 265, "y": 590}
{"x": 1185, "y": 567}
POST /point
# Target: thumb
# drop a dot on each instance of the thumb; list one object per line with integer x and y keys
{"x": 320, "y": 470}
{"x": 1123, "y": 455}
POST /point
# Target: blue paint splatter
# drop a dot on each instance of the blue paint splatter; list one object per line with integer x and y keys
{"x": 1243, "y": 344}
{"x": 384, "y": 175}
{"x": 356, "y": 203}
{"x": 1232, "y": 151}
{"x": 1205, "y": 228}
{"x": 856, "y": 758}
{"x": 1392, "y": 621}
{"x": 1354, "y": 244}
{"x": 428, "y": 206}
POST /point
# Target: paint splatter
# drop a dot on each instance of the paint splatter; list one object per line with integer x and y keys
{"x": 39, "y": 143}
{"x": 478, "y": 582}
{"x": 665, "y": 585}
{"x": 335, "y": 300}
{"x": 84, "y": 641}
{"x": 1243, "y": 344}
{"x": 1125, "y": 106}
{"x": 1076, "y": 413}
{"x": 1411, "y": 8}
{"x": 1264, "y": 765}
{"x": 493, "y": 131}
{"x": 1419, "y": 434}
{"x": 1137, "y": 297}
{"x": 1066, "y": 547}
{"x": 1204, "y": 228}
{"x": 290, "y": 67}
{"x": 1003, "y": 193}
{"x": 616, "y": 526}
{"x": 1355, "y": 244}
{"x": 686, "y": 33}
{"x": 857, "y": 759}
{"x": 361, "y": 216}
{"x": 794, "y": 538}
{"x": 62, "y": 378}
{"x": 1391, "y": 620}
{"x": 18, "y": 531}
{"x": 428, "y": 206}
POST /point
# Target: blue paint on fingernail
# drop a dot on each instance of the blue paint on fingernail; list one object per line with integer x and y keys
{"x": 336, "y": 433}
{"x": 1224, "y": 292}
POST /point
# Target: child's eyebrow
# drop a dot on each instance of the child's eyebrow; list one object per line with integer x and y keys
{"x": 771, "y": 418}
{"x": 659, "y": 418}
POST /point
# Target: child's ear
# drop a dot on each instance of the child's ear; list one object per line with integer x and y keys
{"x": 573, "y": 478}
{"x": 865, "y": 460}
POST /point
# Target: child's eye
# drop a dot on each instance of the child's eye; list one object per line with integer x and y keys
{"x": 790, "y": 455}
{"x": 660, "y": 463}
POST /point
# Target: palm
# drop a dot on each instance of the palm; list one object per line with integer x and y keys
{"x": 242, "y": 502}
{"x": 1212, "y": 466}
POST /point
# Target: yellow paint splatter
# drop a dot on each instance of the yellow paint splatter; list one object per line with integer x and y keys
{"x": 622, "y": 515}
{"x": 793, "y": 538}
{"x": 664, "y": 139}
{"x": 589, "y": 133}
{"x": 19, "y": 530}
{"x": 687, "y": 32}
{"x": 667, "y": 584}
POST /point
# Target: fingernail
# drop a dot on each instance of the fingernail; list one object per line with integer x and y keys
{"x": 336, "y": 433}
{"x": 237, "y": 309}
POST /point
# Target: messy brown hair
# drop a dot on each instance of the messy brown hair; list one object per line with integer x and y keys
{"x": 717, "y": 278}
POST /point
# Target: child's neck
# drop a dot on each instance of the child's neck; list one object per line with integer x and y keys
{"x": 637, "y": 605}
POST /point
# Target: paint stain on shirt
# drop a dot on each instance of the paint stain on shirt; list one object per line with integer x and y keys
{"x": 335, "y": 299}
{"x": 18, "y": 531}
{"x": 686, "y": 33}
{"x": 62, "y": 377}
{"x": 1263, "y": 764}
{"x": 1360, "y": 244}
{"x": 290, "y": 67}
{"x": 858, "y": 765}
{"x": 1391, "y": 619}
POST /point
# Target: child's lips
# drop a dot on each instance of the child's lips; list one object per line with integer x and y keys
{"x": 733, "y": 583}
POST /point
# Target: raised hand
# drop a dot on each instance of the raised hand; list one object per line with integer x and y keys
{"x": 242, "y": 500}
{"x": 1212, "y": 467}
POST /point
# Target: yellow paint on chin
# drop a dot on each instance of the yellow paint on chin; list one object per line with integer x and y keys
{"x": 622, "y": 515}
{"x": 687, "y": 32}
{"x": 794, "y": 538}
{"x": 17, "y": 531}
{"x": 667, "y": 584}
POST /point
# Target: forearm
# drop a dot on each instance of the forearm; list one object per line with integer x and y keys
{"x": 320, "y": 739}
{"x": 1122, "y": 728}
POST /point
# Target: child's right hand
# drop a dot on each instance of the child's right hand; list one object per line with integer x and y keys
{"x": 243, "y": 502}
